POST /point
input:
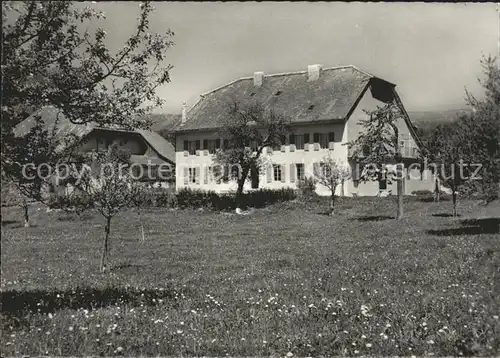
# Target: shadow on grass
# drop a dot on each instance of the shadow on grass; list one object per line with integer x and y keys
{"x": 18, "y": 303}
{"x": 444, "y": 215}
{"x": 374, "y": 218}
{"x": 125, "y": 266}
{"x": 471, "y": 227}
{"x": 9, "y": 222}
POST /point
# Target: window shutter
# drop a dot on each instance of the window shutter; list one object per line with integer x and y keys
{"x": 186, "y": 176}
{"x": 205, "y": 143}
{"x": 292, "y": 173}
{"x": 283, "y": 148}
{"x": 198, "y": 145}
{"x": 205, "y": 176}
{"x": 306, "y": 137}
{"x": 306, "y": 147}
{"x": 292, "y": 138}
{"x": 316, "y": 169}
{"x": 186, "y": 146}
{"x": 331, "y": 137}
{"x": 226, "y": 143}
{"x": 316, "y": 146}
{"x": 283, "y": 174}
{"x": 186, "y": 153}
{"x": 197, "y": 175}
{"x": 316, "y": 137}
{"x": 217, "y": 144}
{"x": 331, "y": 145}
{"x": 292, "y": 147}
{"x": 269, "y": 173}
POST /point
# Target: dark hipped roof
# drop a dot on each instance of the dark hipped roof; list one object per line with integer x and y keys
{"x": 331, "y": 97}
{"x": 57, "y": 124}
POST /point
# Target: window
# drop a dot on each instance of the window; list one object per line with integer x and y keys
{"x": 211, "y": 145}
{"x": 331, "y": 137}
{"x": 300, "y": 171}
{"x": 299, "y": 141}
{"x": 191, "y": 146}
{"x": 322, "y": 139}
{"x": 325, "y": 170}
{"x": 277, "y": 172}
{"x": 192, "y": 175}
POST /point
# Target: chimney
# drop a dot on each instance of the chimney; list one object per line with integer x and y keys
{"x": 184, "y": 112}
{"x": 313, "y": 72}
{"x": 258, "y": 77}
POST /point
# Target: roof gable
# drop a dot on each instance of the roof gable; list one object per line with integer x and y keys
{"x": 58, "y": 124}
{"x": 331, "y": 97}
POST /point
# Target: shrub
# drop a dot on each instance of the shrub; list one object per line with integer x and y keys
{"x": 307, "y": 187}
{"x": 189, "y": 198}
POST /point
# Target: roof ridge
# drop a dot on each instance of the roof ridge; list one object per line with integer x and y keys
{"x": 285, "y": 74}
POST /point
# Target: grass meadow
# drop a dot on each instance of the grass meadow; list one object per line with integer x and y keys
{"x": 286, "y": 280}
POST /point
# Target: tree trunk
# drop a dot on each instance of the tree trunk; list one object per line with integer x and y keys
{"x": 239, "y": 191}
{"x": 454, "y": 198}
{"x": 400, "y": 197}
{"x": 436, "y": 191}
{"x": 332, "y": 203}
{"x": 26, "y": 213}
{"x": 104, "y": 258}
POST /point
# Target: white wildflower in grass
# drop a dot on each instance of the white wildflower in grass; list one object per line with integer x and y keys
{"x": 384, "y": 336}
{"x": 368, "y": 345}
{"x": 179, "y": 331}
{"x": 495, "y": 317}
{"x": 289, "y": 354}
{"x": 363, "y": 336}
{"x": 430, "y": 341}
{"x": 356, "y": 352}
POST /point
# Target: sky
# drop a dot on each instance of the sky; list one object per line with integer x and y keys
{"x": 431, "y": 51}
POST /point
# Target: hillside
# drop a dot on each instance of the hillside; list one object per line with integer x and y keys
{"x": 425, "y": 120}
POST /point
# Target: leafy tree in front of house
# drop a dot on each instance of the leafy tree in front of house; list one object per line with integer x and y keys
{"x": 331, "y": 173}
{"x": 378, "y": 144}
{"x": 247, "y": 131}
{"x": 36, "y": 164}
{"x": 50, "y": 57}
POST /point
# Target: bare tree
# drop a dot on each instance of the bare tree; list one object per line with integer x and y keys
{"x": 331, "y": 173}
{"x": 106, "y": 182}
{"x": 247, "y": 132}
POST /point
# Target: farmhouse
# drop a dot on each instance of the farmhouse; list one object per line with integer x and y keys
{"x": 148, "y": 149}
{"x": 324, "y": 106}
